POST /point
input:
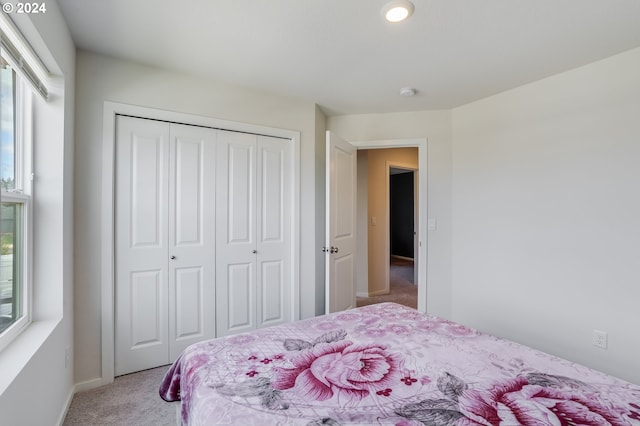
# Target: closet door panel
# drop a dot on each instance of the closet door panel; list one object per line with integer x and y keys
{"x": 145, "y": 293}
{"x": 188, "y": 302}
{"x": 189, "y": 195}
{"x": 273, "y": 292}
{"x": 141, "y": 287}
{"x": 236, "y": 225}
{"x": 240, "y": 186}
{"x": 272, "y": 194}
{"x": 274, "y": 200}
{"x": 191, "y": 259}
{"x": 145, "y": 166}
{"x": 240, "y": 294}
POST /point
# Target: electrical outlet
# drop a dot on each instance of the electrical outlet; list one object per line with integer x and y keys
{"x": 600, "y": 339}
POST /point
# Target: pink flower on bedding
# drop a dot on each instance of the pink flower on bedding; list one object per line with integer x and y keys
{"x": 459, "y": 330}
{"x": 518, "y": 402}
{"x": 347, "y": 317}
{"x": 326, "y": 326}
{"x": 375, "y": 332}
{"x": 399, "y": 329}
{"x": 342, "y": 368}
{"x": 241, "y": 339}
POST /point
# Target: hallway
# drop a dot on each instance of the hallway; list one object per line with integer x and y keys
{"x": 402, "y": 289}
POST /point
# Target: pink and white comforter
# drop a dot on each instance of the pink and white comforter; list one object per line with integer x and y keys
{"x": 390, "y": 365}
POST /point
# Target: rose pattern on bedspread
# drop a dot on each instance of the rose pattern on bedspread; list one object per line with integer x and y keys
{"x": 360, "y": 376}
{"x": 538, "y": 399}
{"x": 355, "y": 371}
{"x": 389, "y": 365}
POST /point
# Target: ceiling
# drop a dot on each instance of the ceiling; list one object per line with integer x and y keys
{"x": 343, "y": 56}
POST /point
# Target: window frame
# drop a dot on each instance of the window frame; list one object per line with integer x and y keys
{"x": 22, "y": 194}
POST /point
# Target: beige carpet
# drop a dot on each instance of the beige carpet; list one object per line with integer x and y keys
{"x": 402, "y": 289}
{"x": 131, "y": 400}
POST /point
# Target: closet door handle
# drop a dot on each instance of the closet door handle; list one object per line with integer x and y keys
{"x": 254, "y": 251}
{"x": 172, "y": 258}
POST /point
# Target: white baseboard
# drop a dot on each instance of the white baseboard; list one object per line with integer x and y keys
{"x": 63, "y": 415}
{"x": 379, "y": 293}
{"x": 88, "y": 385}
{"x": 375, "y": 293}
{"x": 78, "y": 387}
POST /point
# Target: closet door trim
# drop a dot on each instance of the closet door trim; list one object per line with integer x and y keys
{"x": 110, "y": 111}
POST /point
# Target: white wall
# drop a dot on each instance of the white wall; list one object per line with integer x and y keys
{"x": 101, "y": 78}
{"x": 546, "y": 214}
{"x": 435, "y": 126}
{"x": 32, "y": 368}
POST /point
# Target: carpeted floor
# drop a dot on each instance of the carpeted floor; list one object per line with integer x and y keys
{"x": 130, "y": 400}
{"x": 402, "y": 289}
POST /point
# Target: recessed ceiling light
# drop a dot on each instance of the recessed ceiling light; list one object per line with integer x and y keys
{"x": 397, "y": 10}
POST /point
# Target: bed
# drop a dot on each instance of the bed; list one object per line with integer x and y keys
{"x": 388, "y": 364}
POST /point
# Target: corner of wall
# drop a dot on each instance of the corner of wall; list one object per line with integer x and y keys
{"x": 320, "y": 166}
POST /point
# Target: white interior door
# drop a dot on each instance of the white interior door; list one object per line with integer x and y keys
{"x": 192, "y": 181}
{"x": 273, "y": 228}
{"x": 253, "y": 248}
{"x": 141, "y": 287}
{"x": 341, "y": 224}
{"x": 203, "y": 237}
{"x": 236, "y": 238}
{"x": 165, "y": 241}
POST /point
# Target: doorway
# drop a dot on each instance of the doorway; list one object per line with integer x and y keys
{"x": 388, "y": 253}
{"x": 403, "y": 242}
{"x": 402, "y": 236}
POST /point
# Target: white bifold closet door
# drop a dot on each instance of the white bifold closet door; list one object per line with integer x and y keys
{"x": 165, "y": 241}
{"x": 253, "y": 248}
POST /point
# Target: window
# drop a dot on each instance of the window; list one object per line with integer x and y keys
{"x": 15, "y": 200}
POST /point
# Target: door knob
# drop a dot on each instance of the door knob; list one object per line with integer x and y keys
{"x": 254, "y": 251}
{"x": 333, "y": 249}
{"x": 172, "y": 258}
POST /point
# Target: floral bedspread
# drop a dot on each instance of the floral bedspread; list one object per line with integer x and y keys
{"x": 390, "y": 365}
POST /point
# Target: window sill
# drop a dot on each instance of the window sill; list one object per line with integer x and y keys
{"x": 19, "y": 352}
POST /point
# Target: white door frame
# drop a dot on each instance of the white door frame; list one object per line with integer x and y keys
{"x": 111, "y": 109}
{"x": 421, "y": 144}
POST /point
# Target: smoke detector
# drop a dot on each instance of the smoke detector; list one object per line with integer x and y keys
{"x": 407, "y": 91}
